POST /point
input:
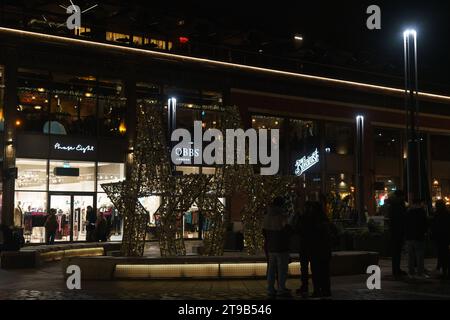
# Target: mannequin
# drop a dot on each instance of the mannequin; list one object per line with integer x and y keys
{"x": 18, "y": 216}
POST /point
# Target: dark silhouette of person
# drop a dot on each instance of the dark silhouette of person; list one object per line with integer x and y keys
{"x": 416, "y": 227}
{"x": 101, "y": 228}
{"x": 51, "y": 225}
{"x": 441, "y": 236}
{"x": 298, "y": 227}
{"x": 277, "y": 235}
{"x": 91, "y": 219}
{"x": 397, "y": 215}
{"x": 316, "y": 237}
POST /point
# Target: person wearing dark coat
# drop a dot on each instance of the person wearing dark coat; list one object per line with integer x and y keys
{"x": 51, "y": 225}
{"x": 316, "y": 239}
{"x": 276, "y": 232}
{"x": 299, "y": 226}
{"x": 91, "y": 219}
{"x": 397, "y": 215}
{"x": 101, "y": 228}
{"x": 441, "y": 235}
{"x": 416, "y": 227}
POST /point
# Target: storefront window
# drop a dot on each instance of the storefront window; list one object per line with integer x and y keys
{"x": 112, "y": 215}
{"x": 82, "y": 181}
{"x": 32, "y": 174}
{"x": 387, "y": 142}
{"x": 109, "y": 173}
{"x": 440, "y": 190}
{"x": 151, "y": 204}
{"x": 33, "y": 100}
{"x": 339, "y": 139}
{"x": 384, "y": 187}
{"x": 31, "y": 209}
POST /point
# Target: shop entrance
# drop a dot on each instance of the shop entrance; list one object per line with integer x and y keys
{"x": 71, "y": 211}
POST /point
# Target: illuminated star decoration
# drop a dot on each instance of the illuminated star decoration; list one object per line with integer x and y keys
{"x": 151, "y": 175}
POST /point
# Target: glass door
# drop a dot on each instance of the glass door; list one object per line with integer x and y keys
{"x": 80, "y": 204}
{"x": 63, "y": 206}
{"x": 71, "y": 215}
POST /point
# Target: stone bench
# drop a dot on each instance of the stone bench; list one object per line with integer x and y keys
{"x": 198, "y": 267}
{"x": 35, "y": 256}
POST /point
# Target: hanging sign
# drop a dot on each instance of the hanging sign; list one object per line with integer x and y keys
{"x": 303, "y": 164}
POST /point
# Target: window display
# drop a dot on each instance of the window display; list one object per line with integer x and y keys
{"x": 69, "y": 195}
{"x": 109, "y": 173}
{"x": 33, "y": 208}
{"x": 32, "y": 174}
{"x": 112, "y": 215}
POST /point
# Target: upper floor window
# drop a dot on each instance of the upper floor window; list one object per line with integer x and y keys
{"x": 387, "y": 142}
{"x": 33, "y": 97}
{"x": 439, "y": 147}
{"x": 73, "y": 105}
{"x": 117, "y": 37}
{"x": 82, "y": 32}
{"x": 339, "y": 138}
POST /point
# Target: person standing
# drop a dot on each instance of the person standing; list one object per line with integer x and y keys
{"x": 299, "y": 227}
{"x": 101, "y": 228}
{"x": 91, "y": 219}
{"x": 441, "y": 236}
{"x": 277, "y": 235}
{"x": 51, "y": 225}
{"x": 317, "y": 237}
{"x": 416, "y": 229}
{"x": 397, "y": 215}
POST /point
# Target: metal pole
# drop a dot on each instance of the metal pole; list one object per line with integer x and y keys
{"x": 411, "y": 109}
{"x": 359, "y": 165}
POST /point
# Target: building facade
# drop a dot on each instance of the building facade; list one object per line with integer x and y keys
{"x": 68, "y": 115}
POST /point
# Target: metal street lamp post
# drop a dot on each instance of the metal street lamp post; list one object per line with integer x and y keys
{"x": 414, "y": 179}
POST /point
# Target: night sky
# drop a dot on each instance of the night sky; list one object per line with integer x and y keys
{"x": 340, "y": 27}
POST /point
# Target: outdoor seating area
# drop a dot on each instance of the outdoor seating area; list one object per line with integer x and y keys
{"x": 35, "y": 256}
{"x": 205, "y": 267}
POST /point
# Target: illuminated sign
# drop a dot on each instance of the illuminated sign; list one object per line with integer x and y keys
{"x": 74, "y": 148}
{"x": 185, "y": 153}
{"x": 303, "y": 164}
